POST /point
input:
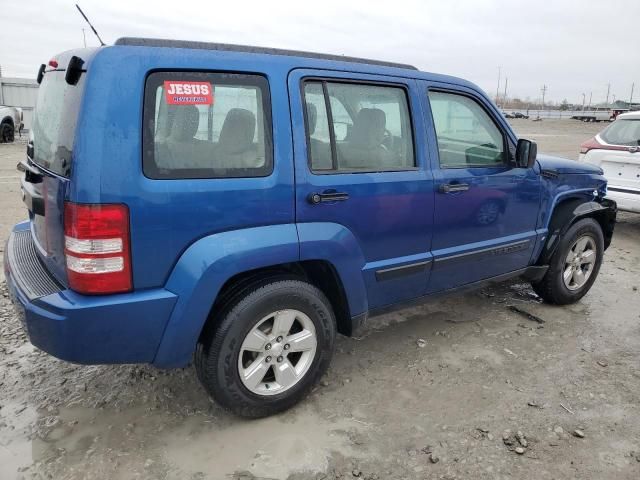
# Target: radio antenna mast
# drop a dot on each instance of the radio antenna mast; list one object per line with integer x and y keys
{"x": 87, "y": 20}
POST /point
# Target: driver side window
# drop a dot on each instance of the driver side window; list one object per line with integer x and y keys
{"x": 467, "y": 136}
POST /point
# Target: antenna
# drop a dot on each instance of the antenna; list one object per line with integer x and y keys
{"x": 87, "y": 20}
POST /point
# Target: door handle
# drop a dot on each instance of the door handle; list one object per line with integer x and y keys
{"x": 324, "y": 197}
{"x": 453, "y": 187}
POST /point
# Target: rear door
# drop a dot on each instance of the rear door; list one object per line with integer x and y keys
{"x": 48, "y": 165}
{"x": 360, "y": 164}
{"x": 486, "y": 208}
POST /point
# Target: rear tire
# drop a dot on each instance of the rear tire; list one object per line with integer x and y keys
{"x": 575, "y": 264}
{"x": 271, "y": 345}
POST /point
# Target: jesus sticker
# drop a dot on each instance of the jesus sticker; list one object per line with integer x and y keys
{"x": 188, "y": 93}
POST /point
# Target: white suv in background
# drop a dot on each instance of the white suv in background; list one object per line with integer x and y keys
{"x": 616, "y": 150}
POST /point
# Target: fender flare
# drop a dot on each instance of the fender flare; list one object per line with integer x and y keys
{"x": 203, "y": 269}
{"x": 567, "y": 213}
{"x": 336, "y": 244}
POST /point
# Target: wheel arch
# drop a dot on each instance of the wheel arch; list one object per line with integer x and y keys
{"x": 319, "y": 273}
{"x": 568, "y": 211}
{"x": 216, "y": 267}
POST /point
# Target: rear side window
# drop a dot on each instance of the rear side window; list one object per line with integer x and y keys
{"x": 357, "y": 127}
{"x": 54, "y": 122}
{"x": 622, "y": 132}
{"x": 206, "y": 125}
{"x": 467, "y": 135}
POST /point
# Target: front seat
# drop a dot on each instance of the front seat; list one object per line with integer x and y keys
{"x": 320, "y": 151}
{"x": 364, "y": 148}
{"x": 235, "y": 145}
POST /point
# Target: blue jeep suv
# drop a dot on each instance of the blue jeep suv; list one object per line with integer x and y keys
{"x": 240, "y": 206}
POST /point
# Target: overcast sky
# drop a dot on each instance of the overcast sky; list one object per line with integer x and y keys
{"x": 572, "y": 46}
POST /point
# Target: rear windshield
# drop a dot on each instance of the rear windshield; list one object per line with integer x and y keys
{"x": 54, "y": 122}
{"x": 623, "y": 132}
{"x": 206, "y": 125}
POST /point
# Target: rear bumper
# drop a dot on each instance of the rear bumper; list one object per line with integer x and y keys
{"x": 124, "y": 328}
{"x": 627, "y": 199}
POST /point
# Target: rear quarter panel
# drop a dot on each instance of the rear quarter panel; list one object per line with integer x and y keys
{"x": 169, "y": 215}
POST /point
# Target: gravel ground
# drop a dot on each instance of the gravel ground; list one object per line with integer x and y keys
{"x": 462, "y": 387}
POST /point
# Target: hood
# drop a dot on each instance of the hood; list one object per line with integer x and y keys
{"x": 565, "y": 166}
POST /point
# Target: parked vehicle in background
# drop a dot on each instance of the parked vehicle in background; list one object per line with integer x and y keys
{"x": 520, "y": 115}
{"x": 597, "y": 115}
{"x": 239, "y": 206}
{"x": 617, "y": 151}
{"x": 10, "y": 123}
{"x": 617, "y": 111}
{"x": 508, "y": 114}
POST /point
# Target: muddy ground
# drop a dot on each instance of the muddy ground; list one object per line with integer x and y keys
{"x": 426, "y": 393}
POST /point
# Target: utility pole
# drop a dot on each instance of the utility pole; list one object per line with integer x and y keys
{"x": 544, "y": 91}
{"x": 84, "y": 39}
{"x": 584, "y": 96}
{"x": 608, "y": 89}
{"x": 590, "y": 97}
{"x": 498, "y": 87}
{"x": 614, "y": 98}
{"x": 506, "y": 81}
{"x": 630, "y": 96}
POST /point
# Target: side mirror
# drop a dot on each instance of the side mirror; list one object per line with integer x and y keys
{"x": 526, "y": 153}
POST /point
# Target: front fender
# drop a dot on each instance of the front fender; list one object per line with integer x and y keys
{"x": 566, "y": 214}
{"x": 204, "y": 268}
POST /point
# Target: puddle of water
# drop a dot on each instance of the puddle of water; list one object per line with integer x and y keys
{"x": 269, "y": 447}
{"x": 15, "y": 446}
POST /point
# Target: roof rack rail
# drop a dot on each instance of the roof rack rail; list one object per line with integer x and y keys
{"x": 157, "y": 42}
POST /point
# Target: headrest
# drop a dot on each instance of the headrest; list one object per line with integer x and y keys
{"x": 186, "y": 120}
{"x": 237, "y": 131}
{"x": 368, "y": 127}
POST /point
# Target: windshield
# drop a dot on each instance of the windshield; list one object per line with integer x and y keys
{"x": 54, "y": 122}
{"x": 623, "y": 132}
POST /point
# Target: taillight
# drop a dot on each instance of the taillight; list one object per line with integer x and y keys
{"x": 590, "y": 144}
{"x": 96, "y": 246}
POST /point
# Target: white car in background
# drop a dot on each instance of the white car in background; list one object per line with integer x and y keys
{"x": 10, "y": 123}
{"x": 616, "y": 150}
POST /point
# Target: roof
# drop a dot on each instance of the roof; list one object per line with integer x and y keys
{"x": 156, "y": 42}
{"x": 629, "y": 115}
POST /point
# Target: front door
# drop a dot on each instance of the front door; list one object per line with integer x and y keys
{"x": 362, "y": 177}
{"x": 486, "y": 208}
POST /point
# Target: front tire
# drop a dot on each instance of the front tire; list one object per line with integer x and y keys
{"x": 575, "y": 264}
{"x": 272, "y": 344}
